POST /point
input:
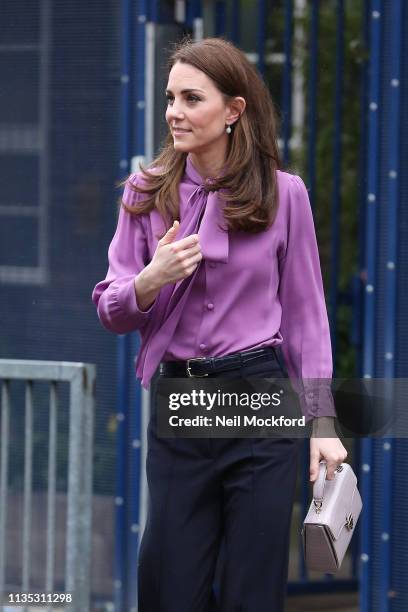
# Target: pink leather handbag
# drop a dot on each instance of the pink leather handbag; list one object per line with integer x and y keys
{"x": 331, "y": 519}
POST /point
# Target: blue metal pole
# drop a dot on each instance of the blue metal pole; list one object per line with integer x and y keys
{"x": 194, "y": 11}
{"x": 362, "y": 209}
{"x": 394, "y": 128}
{"x": 152, "y": 10}
{"x": 369, "y": 305}
{"x": 336, "y": 198}
{"x": 122, "y": 356}
{"x": 358, "y": 296}
{"x": 312, "y": 137}
{"x": 122, "y": 417}
{"x": 198, "y": 19}
{"x": 236, "y": 22}
{"x": 133, "y": 484}
{"x": 143, "y": 11}
{"x": 287, "y": 80}
{"x": 220, "y": 17}
{"x": 372, "y": 187}
{"x": 312, "y": 114}
{"x": 311, "y": 163}
{"x": 141, "y": 8}
{"x": 261, "y": 34}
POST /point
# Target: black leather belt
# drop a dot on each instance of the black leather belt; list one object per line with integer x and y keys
{"x": 203, "y": 366}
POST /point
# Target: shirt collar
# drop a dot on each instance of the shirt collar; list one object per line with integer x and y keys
{"x": 193, "y": 174}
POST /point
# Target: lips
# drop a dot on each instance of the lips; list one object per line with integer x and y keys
{"x": 180, "y": 131}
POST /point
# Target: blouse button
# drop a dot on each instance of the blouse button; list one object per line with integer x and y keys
{"x": 203, "y": 347}
{"x": 210, "y": 306}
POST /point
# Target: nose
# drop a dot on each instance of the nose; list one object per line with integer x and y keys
{"x": 174, "y": 112}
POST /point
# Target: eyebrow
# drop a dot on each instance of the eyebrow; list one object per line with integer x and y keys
{"x": 183, "y": 91}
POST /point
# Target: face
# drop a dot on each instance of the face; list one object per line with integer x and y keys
{"x": 196, "y": 111}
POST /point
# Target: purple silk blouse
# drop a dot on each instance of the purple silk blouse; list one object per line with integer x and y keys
{"x": 250, "y": 290}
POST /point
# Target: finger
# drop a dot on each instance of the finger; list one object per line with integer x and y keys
{"x": 313, "y": 473}
{"x": 190, "y": 270}
{"x": 314, "y": 466}
{"x": 169, "y": 236}
{"x": 171, "y": 233}
{"x": 183, "y": 258}
{"x": 192, "y": 261}
{"x": 189, "y": 265}
{"x": 190, "y": 252}
{"x": 331, "y": 467}
{"x": 187, "y": 242}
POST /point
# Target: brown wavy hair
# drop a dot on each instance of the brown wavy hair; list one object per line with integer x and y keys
{"x": 251, "y": 196}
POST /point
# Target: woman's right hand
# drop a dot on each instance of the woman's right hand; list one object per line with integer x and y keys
{"x": 174, "y": 259}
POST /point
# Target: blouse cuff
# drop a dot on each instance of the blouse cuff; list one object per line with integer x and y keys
{"x": 316, "y": 398}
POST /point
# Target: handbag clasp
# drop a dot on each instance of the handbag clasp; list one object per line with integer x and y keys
{"x": 349, "y": 522}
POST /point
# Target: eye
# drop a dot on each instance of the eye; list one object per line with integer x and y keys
{"x": 191, "y": 98}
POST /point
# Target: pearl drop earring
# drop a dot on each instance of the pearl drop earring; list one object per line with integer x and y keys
{"x": 228, "y": 130}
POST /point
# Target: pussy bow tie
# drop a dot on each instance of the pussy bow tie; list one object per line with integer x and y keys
{"x": 203, "y": 216}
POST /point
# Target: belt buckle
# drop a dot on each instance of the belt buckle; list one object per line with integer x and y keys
{"x": 189, "y": 374}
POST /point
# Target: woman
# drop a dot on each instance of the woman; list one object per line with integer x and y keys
{"x": 215, "y": 262}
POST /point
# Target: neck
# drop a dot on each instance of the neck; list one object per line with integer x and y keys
{"x": 207, "y": 165}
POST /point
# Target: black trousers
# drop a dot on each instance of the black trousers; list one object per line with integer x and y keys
{"x": 207, "y": 496}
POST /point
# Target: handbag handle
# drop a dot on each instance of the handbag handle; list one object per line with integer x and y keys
{"x": 318, "y": 487}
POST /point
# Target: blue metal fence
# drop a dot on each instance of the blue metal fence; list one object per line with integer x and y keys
{"x": 382, "y": 589}
{"x": 369, "y": 306}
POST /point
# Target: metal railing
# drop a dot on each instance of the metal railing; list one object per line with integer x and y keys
{"x": 81, "y": 380}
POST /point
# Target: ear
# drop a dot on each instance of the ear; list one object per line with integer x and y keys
{"x": 234, "y": 109}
